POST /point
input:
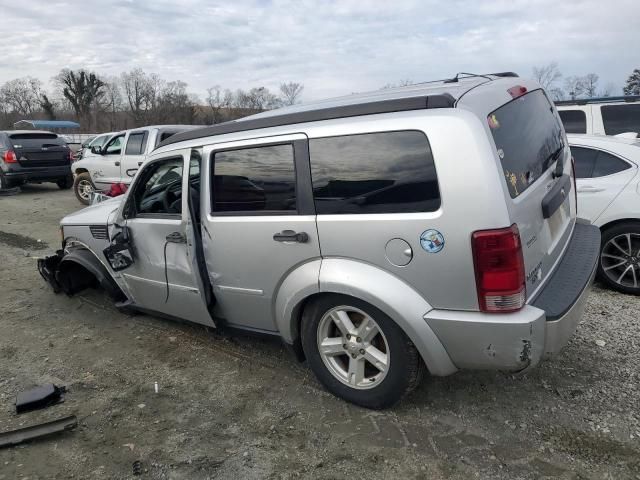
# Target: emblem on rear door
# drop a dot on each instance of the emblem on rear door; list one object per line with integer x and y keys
{"x": 45, "y": 148}
{"x": 432, "y": 241}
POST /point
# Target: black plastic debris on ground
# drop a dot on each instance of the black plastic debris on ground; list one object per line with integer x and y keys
{"x": 39, "y": 397}
{"x": 15, "y": 437}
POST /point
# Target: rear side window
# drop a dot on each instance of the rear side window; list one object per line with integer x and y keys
{"x": 136, "y": 143}
{"x": 528, "y": 137}
{"x": 585, "y": 159}
{"x": 574, "y": 121}
{"x": 35, "y": 140}
{"x": 387, "y": 172}
{"x": 621, "y": 118}
{"x": 591, "y": 163}
{"x": 260, "y": 180}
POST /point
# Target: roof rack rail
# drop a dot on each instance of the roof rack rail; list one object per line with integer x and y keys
{"x": 421, "y": 102}
{"x": 488, "y": 76}
{"x": 586, "y": 101}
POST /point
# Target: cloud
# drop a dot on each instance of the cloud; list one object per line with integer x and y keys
{"x": 333, "y": 47}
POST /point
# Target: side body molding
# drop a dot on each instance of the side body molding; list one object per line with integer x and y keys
{"x": 371, "y": 284}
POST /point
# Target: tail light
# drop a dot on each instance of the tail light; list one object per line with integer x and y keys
{"x": 10, "y": 157}
{"x": 499, "y": 267}
{"x": 517, "y": 91}
{"x": 71, "y": 158}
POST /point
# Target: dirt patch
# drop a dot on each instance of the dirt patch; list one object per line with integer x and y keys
{"x": 22, "y": 241}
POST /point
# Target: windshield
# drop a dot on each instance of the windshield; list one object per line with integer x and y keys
{"x": 528, "y": 138}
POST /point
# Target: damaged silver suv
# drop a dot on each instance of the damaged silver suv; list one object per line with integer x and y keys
{"x": 426, "y": 228}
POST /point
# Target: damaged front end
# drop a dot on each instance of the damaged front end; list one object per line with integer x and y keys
{"x": 75, "y": 269}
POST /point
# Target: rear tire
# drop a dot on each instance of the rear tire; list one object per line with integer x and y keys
{"x": 83, "y": 187}
{"x": 65, "y": 183}
{"x": 619, "y": 263}
{"x": 347, "y": 364}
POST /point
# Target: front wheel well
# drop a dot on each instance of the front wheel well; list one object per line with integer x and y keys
{"x": 78, "y": 171}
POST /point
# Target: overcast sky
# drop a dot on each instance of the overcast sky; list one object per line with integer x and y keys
{"x": 332, "y": 47}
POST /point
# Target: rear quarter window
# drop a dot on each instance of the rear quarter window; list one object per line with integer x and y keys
{"x": 528, "y": 136}
{"x": 621, "y": 118}
{"x": 386, "y": 172}
{"x": 574, "y": 121}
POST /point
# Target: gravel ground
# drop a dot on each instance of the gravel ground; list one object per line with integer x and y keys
{"x": 240, "y": 407}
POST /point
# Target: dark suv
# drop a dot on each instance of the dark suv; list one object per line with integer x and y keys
{"x": 34, "y": 156}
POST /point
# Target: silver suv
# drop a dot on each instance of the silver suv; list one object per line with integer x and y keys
{"x": 428, "y": 226}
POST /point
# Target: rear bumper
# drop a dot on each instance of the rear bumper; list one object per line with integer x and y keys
{"x": 519, "y": 340}
{"x": 47, "y": 173}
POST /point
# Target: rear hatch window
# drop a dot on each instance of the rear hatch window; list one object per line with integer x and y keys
{"x": 35, "y": 140}
{"x": 528, "y": 137}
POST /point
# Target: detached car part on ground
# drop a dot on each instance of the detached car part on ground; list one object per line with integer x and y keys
{"x": 427, "y": 226}
{"x": 34, "y": 156}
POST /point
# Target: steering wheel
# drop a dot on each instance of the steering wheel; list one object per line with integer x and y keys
{"x": 169, "y": 199}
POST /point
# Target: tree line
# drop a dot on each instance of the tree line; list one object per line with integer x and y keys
{"x": 133, "y": 99}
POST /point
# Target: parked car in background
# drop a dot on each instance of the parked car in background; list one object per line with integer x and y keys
{"x": 34, "y": 156}
{"x": 609, "y": 196}
{"x": 97, "y": 141}
{"x": 604, "y": 116}
{"x": 377, "y": 233}
{"x": 116, "y": 157}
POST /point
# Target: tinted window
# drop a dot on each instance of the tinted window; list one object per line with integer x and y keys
{"x": 260, "y": 179}
{"x": 607, "y": 164}
{"x": 136, "y": 143}
{"x": 585, "y": 159}
{"x": 574, "y": 121}
{"x": 621, "y": 118}
{"x": 35, "y": 140}
{"x": 159, "y": 190}
{"x": 387, "y": 172}
{"x": 527, "y": 134}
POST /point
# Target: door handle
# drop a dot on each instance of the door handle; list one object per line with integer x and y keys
{"x": 291, "y": 236}
{"x": 589, "y": 189}
{"x": 139, "y": 164}
{"x": 117, "y": 164}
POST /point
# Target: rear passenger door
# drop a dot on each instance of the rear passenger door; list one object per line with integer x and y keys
{"x": 258, "y": 224}
{"x": 600, "y": 177}
{"x": 133, "y": 154}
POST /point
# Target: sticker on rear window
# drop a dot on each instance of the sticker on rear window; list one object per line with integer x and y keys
{"x": 432, "y": 241}
{"x": 493, "y": 122}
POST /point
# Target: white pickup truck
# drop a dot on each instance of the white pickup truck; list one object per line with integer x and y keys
{"x": 118, "y": 160}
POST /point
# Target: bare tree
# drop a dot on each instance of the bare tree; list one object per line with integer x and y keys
{"x": 22, "y": 95}
{"x": 290, "y": 92}
{"x": 547, "y": 75}
{"x": 48, "y": 107}
{"x": 140, "y": 91}
{"x": 218, "y": 101}
{"x": 84, "y": 90}
{"x": 590, "y": 84}
{"x": 574, "y": 86}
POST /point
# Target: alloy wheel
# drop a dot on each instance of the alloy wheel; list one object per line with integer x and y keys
{"x": 353, "y": 347}
{"x": 620, "y": 259}
{"x": 85, "y": 189}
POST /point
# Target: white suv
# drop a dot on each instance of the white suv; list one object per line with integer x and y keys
{"x": 119, "y": 159}
{"x": 609, "y": 196}
{"x": 601, "y": 116}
